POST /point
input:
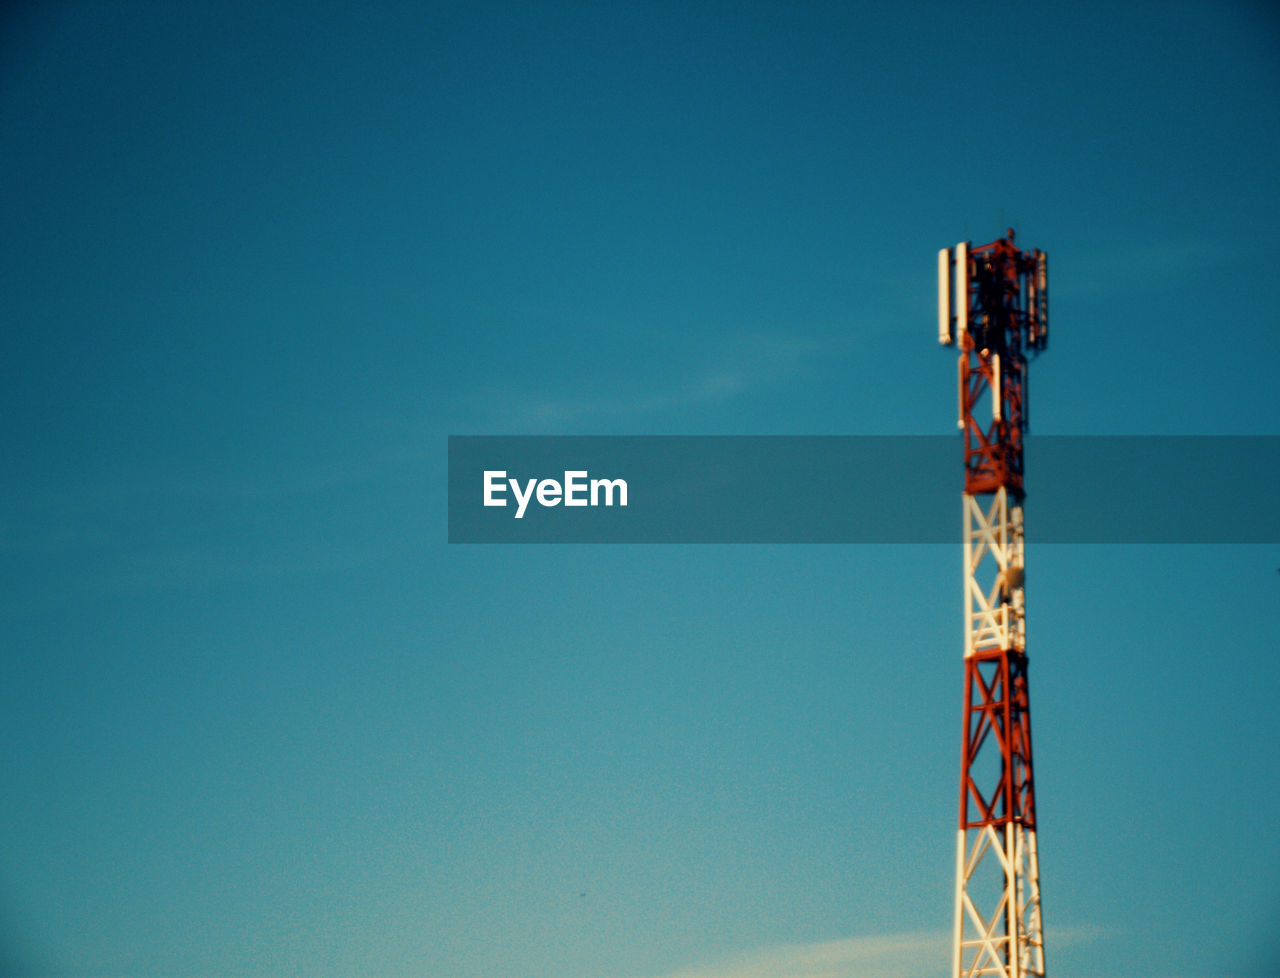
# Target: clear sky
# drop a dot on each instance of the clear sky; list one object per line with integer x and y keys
{"x": 261, "y": 259}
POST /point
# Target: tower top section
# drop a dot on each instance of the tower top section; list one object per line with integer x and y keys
{"x": 993, "y": 304}
{"x": 994, "y": 297}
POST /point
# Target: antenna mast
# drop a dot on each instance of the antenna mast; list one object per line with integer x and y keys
{"x": 993, "y": 305}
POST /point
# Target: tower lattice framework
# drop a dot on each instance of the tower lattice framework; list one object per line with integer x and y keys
{"x": 993, "y": 305}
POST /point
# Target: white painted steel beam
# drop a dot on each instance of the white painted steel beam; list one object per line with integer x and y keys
{"x": 996, "y": 934}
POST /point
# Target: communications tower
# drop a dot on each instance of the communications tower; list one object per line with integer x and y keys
{"x": 993, "y": 305}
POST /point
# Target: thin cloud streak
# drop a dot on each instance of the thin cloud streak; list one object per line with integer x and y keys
{"x": 916, "y": 954}
{"x": 754, "y": 361}
{"x": 880, "y": 956}
{"x": 1140, "y": 266}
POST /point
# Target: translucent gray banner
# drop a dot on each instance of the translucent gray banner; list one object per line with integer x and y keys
{"x": 853, "y": 489}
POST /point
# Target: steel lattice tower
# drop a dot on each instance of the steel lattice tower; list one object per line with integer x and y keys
{"x": 993, "y": 305}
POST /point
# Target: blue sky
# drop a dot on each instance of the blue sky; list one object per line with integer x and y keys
{"x": 261, "y": 260}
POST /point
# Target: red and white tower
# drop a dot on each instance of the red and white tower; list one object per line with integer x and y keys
{"x": 993, "y": 305}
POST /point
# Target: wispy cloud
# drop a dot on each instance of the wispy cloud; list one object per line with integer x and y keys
{"x": 1137, "y": 265}
{"x": 750, "y": 362}
{"x": 881, "y": 956}
{"x": 909, "y": 955}
{"x": 199, "y": 521}
{"x": 708, "y": 388}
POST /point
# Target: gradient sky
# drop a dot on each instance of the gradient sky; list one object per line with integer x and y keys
{"x": 261, "y": 260}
